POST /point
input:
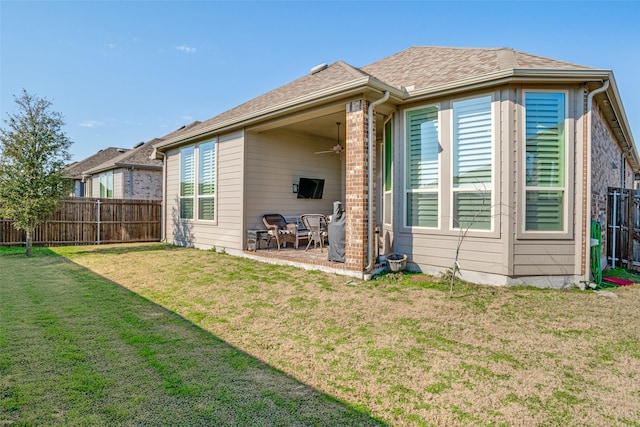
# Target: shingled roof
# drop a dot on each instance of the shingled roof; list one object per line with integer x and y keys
{"x": 416, "y": 68}
{"x": 424, "y": 66}
{"x": 140, "y": 156}
{"x": 75, "y": 170}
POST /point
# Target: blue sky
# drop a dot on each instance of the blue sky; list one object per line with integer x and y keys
{"x": 122, "y": 72}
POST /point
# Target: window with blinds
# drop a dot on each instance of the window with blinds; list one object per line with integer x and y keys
{"x": 545, "y": 168}
{"x": 472, "y": 163}
{"x": 423, "y": 167}
{"x": 106, "y": 185}
{"x": 187, "y": 182}
{"x": 206, "y": 181}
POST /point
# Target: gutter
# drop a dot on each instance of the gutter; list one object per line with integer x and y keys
{"x": 586, "y": 216}
{"x": 371, "y": 145}
{"x": 163, "y": 206}
{"x": 321, "y": 97}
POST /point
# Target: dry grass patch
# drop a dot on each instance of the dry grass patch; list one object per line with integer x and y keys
{"x": 398, "y": 346}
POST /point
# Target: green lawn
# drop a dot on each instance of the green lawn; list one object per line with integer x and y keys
{"x": 154, "y": 334}
{"x": 78, "y": 349}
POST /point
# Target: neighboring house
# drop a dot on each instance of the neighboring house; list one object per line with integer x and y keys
{"x": 512, "y": 150}
{"x": 74, "y": 170}
{"x": 131, "y": 175}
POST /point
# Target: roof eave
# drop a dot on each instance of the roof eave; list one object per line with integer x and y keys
{"x": 320, "y": 97}
{"x": 509, "y": 76}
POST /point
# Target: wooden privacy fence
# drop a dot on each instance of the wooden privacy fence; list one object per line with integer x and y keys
{"x": 81, "y": 221}
{"x": 623, "y": 228}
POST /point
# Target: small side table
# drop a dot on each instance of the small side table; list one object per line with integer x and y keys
{"x": 254, "y": 237}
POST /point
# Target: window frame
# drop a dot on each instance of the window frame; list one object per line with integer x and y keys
{"x": 196, "y": 197}
{"x": 472, "y": 188}
{"x": 387, "y": 171}
{"x": 214, "y": 197}
{"x": 406, "y": 191}
{"x": 106, "y": 183}
{"x": 567, "y": 205}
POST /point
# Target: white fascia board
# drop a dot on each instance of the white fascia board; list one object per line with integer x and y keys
{"x": 320, "y": 97}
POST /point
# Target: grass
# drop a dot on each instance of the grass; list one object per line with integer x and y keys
{"x": 78, "y": 349}
{"x": 125, "y": 332}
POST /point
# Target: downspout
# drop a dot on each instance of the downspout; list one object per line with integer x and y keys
{"x": 371, "y": 145}
{"x": 587, "y": 214}
{"x": 164, "y": 195}
{"x": 131, "y": 182}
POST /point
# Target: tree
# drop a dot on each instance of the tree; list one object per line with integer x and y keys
{"x": 33, "y": 152}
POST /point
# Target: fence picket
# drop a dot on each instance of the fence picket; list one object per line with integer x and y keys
{"x": 87, "y": 221}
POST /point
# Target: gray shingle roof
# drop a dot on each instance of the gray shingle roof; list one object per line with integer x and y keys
{"x": 421, "y": 67}
{"x": 425, "y": 66}
{"x": 75, "y": 170}
{"x": 139, "y": 156}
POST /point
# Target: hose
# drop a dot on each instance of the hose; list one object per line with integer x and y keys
{"x": 596, "y": 269}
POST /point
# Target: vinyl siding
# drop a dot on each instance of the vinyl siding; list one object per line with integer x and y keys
{"x": 227, "y": 231}
{"x": 275, "y": 161}
{"x": 505, "y": 251}
{"x": 118, "y": 183}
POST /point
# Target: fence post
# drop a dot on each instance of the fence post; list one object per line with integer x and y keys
{"x": 98, "y": 222}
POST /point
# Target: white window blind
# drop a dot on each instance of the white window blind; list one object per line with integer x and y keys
{"x": 423, "y": 167}
{"x": 472, "y": 163}
{"x": 545, "y": 163}
{"x": 206, "y": 181}
{"x": 187, "y": 182}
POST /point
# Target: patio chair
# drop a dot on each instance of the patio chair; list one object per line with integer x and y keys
{"x": 317, "y": 226}
{"x": 278, "y": 228}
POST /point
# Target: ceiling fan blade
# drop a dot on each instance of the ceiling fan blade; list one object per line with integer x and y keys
{"x": 324, "y": 152}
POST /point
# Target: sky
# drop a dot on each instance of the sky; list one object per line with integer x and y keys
{"x": 123, "y": 72}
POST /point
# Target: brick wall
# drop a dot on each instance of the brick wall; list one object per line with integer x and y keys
{"x": 356, "y": 198}
{"x": 604, "y": 154}
{"x": 147, "y": 184}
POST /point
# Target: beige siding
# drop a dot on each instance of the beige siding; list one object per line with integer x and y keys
{"x": 535, "y": 255}
{"x": 227, "y": 232}
{"x": 435, "y": 250}
{"x": 118, "y": 183}
{"x": 275, "y": 161}
{"x": 95, "y": 186}
{"x": 505, "y": 251}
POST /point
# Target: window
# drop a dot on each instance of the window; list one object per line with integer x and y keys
{"x": 388, "y": 170}
{"x": 202, "y": 200}
{"x": 206, "y": 180}
{"x": 423, "y": 168}
{"x": 545, "y": 170}
{"x": 472, "y": 163}
{"x": 106, "y": 185}
{"x": 187, "y": 182}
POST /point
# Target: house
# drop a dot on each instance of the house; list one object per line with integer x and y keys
{"x": 133, "y": 174}
{"x": 74, "y": 170}
{"x": 494, "y": 157}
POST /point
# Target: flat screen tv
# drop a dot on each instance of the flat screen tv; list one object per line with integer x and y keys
{"x": 310, "y": 188}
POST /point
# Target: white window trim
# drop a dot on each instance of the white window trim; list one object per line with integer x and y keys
{"x": 198, "y": 196}
{"x": 494, "y": 174}
{"x": 386, "y": 192}
{"x": 180, "y": 196}
{"x": 566, "y": 231}
{"x": 405, "y": 190}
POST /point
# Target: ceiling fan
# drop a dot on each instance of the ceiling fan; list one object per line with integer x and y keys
{"x": 336, "y": 149}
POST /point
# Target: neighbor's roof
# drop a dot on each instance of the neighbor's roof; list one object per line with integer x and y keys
{"x": 417, "y": 71}
{"x": 139, "y": 157}
{"x": 75, "y": 170}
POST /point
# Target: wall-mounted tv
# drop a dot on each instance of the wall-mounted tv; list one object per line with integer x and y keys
{"x": 310, "y": 188}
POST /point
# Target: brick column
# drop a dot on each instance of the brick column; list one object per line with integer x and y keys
{"x": 356, "y": 198}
